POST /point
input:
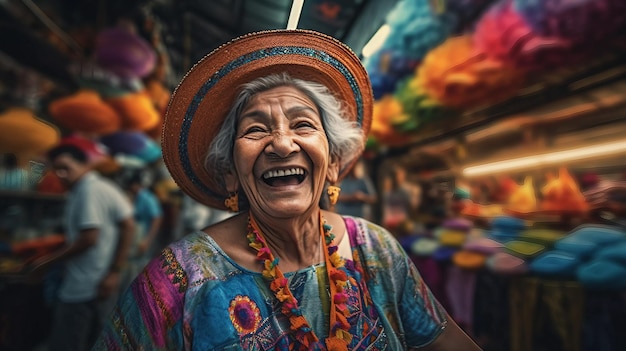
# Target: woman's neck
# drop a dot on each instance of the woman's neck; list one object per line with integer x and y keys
{"x": 296, "y": 242}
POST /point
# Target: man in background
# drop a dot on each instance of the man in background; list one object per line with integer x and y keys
{"x": 148, "y": 216}
{"x": 99, "y": 229}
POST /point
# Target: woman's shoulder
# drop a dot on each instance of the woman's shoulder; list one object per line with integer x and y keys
{"x": 197, "y": 256}
{"x": 219, "y": 249}
{"x": 367, "y": 233}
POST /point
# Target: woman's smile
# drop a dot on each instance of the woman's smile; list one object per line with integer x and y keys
{"x": 284, "y": 177}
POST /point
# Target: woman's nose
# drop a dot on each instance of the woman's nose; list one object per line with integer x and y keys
{"x": 282, "y": 144}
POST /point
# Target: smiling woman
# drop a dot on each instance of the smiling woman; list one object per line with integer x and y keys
{"x": 281, "y": 114}
{"x": 264, "y": 126}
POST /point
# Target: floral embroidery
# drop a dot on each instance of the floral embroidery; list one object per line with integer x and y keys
{"x": 172, "y": 267}
{"x": 244, "y": 314}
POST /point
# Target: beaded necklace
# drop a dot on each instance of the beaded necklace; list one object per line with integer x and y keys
{"x": 339, "y": 335}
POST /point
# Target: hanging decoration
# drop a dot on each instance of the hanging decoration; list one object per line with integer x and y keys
{"x": 415, "y": 29}
{"x": 137, "y": 111}
{"x": 124, "y": 53}
{"x": 457, "y": 75}
{"x": 586, "y": 23}
{"x": 385, "y": 110}
{"x": 419, "y": 108}
{"x": 85, "y": 111}
{"x": 132, "y": 143}
{"x": 562, "y": 193}
{"x": 523, "y": 199}
{"x": 22, "y": 133}
{"x": 503, "y": 34}
{"x": 465, "y": 13}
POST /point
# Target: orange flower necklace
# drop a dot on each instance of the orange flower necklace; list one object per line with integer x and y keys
{"x": 339, "y": 335}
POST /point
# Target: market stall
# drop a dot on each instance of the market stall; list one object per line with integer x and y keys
{"x": 507, "y": 117}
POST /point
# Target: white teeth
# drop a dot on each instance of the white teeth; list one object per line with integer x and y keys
{"x": 283, "y": 173}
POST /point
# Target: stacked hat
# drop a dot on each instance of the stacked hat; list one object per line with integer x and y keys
{"x": 483, "y": 245}
{"x": 543, "y": 236}
{"x": 136, "y": 110}
{"x": 555, "y": 264}
{"x": 586, "y": 240}
{"x": 509, "y": 261}
{"x": 524, "y": 249}
{"x": 453, "y": 232}
{"x": 124, "y": 53}
{"x": 476, "y": 251}
{"x": 505, "y": 228}
{"x": 85, "y": 111}
{"x": 22, "y": 133}
{"x": 424, "y": 246}
{"x": 451, "y": 237}
{"x": 136, "y": 144}
{"x": 506, "y": 264}
{"x": 605, "y": 267}
{"x": 469, "y": 259}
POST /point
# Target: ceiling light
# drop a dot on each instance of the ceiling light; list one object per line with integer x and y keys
{"x": 294, "y": 15}
{"x": 547, "y": 159}
{"x": 377, "y": 40}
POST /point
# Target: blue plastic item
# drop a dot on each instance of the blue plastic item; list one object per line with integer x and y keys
{"x": 555, "y": 264}
{"x": 508, "y": 222}
{"x": 444, "y": 253}
{"x": 503, "y": 235}
{"x": 577, "y": 246}
{"x": 615, "y": 253}
{"x": 602, "y": 275}
{"x": 600, "y": 234}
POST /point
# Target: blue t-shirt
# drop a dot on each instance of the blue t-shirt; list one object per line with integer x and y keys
{"x": 94, "y": 202}
{"x": 147, "y": 208}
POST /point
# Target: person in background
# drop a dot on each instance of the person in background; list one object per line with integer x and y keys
{"x": 357, "y": 194}
{"x": 196, "y": 216}
{"x": 12, "y": 176}
{"x": 399, "y": 200}
{"x": 148, "y": 217}
{"x": 99, "y": 230}
{"x": 264, "y": 127}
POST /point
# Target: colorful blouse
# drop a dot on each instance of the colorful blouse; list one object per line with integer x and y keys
{"x": 194, "y": 297}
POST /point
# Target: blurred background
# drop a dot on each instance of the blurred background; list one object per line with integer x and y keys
{"x": 496, "y": 154}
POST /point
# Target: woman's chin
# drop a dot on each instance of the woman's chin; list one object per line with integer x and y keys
{"x": 285, "y": 208}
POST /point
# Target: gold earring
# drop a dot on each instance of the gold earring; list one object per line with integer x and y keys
{"x": 333, "y": 194}
{"x": 232, "y": 202}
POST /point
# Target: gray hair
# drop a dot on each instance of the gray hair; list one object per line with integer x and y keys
{"x": 345, "y": 138}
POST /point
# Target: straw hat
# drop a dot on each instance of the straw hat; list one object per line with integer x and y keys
{"x": 205, "y": 96}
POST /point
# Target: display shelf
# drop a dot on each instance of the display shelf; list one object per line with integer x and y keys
{"x": 29, "y": 214}
{"x": 545, "y": 90}
{"x": 8, "y": 195}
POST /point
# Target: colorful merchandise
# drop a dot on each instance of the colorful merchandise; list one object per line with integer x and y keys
{"x": 85, "y": 111}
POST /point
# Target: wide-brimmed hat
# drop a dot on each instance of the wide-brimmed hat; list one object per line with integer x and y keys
{"x": 206, "y": 94}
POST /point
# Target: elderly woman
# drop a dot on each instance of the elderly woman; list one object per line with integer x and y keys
{"x": 264, "y": 126}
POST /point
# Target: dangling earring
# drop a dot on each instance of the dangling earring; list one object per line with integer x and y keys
{"x": 232, "y": 202}
{"x": 333, "y": 194}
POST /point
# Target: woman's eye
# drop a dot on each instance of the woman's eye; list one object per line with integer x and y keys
{"x": 252, "y": 130}
{"x": 304, "y": 124}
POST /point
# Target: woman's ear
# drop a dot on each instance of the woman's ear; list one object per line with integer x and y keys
{"x": 231, "y": 181}
{"x": 332, "y": 173}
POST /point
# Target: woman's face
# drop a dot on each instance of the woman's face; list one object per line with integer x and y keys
{"x": 281, "y": 153}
